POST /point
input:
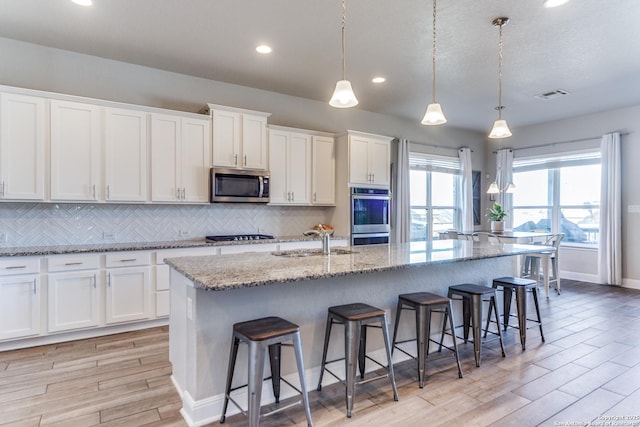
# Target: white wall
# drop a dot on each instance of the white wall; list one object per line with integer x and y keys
{"x": 590, "y": 128}
{"x": 37, "y": 67}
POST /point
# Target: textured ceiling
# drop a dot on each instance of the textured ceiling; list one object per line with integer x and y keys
{"x": 589, "y": 48}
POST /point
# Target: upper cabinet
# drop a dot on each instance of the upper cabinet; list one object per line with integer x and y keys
{"x": 239, "y": 137}
{"x": 75, "y": 151}
{"x": 180, "y": 159}
{"x": 369, "y": 160}
{"x": 125, "y": 155}
{"x": 22, "y": 147}
{"x": 290, "y": 166}
{"x": 323, "y": 170}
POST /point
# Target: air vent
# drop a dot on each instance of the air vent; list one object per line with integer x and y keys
{"x": 553, "y": 94}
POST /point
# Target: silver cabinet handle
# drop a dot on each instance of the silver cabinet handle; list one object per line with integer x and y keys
{"x": 373, "y": 177}
{"x": 15, "y": 267}
{"x": 109, "y": 279}
{"x": 184, "y": 193}
{"x": 128, "y": 260}
{"x": 35, "y": 287}
{"x": 93, "y": 191}
{"x": 315, "y": 198}
{"x": 178, "y": 193}
{"x": 108, "y": 192}
{"x": 73, "y": 263}
{"x": 293, "y": 196}
{"x": 94, "y": 281}
{"x": 2, "y": 189}
{"x": 245, "y": 160}
{"x": 235, "y": 159}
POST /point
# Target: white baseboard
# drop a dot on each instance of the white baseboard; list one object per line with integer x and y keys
{"x": 581, "y": 277}
{"x": 631, "y": 283}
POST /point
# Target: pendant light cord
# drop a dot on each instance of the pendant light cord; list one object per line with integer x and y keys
{"x": 500, "y": 72}
{"x": 344, "y": 60}
{"x": 433, "y": 56}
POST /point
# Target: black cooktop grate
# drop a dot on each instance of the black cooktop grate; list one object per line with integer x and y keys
{"x": 238, "y": 237}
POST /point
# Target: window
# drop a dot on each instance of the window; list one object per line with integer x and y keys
{"x": 434, "y": 184}
{"x": 560, "y": 194}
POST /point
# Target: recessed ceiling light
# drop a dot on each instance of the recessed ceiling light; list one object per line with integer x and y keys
{"x": 263, "y": 48}
{"x": 83, "y": 2}
{"x": 554, "y": 3}
{"x": 378, "y": 80}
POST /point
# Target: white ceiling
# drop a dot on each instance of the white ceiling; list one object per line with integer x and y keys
{"x": 590, "y": 48}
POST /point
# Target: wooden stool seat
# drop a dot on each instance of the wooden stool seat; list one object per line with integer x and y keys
{"x": 424, "y": 303}
{"x": 266, "y": 328}
{"x": 356, "y": 318}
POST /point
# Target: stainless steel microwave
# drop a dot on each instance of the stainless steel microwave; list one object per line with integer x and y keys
{"x": 239, "y": 186}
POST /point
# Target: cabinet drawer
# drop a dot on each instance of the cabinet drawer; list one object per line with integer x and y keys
{"x": 19, "y": 265}
{"x": 127, "y": 259}
{"x": 175, "y": 253}
{"x": 72, "y": 262}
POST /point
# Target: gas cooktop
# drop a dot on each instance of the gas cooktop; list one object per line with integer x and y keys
{"x": 238, "y": 237}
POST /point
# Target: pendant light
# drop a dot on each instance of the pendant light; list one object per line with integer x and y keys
{"x": 554, "y": 3}
{"x": 343, "y": 96}
{"x": 500, "y": 128}
{"x": 434, "y": 114}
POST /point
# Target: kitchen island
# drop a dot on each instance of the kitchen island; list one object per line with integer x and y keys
{"x": 211, "y": 293}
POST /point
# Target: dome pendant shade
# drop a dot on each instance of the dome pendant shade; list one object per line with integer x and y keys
{"x": 500, "y": 129}
{"x": 434, "y": 115}
{"x": 343, "y": 96}
{"x": 511, "y": 188}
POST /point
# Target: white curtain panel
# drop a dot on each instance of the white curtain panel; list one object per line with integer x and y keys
{"x": 504, "y": 176}
{"x": 466, "y": 201}
{"x": 610, "y": 247}
{"x": 401, "y": 200}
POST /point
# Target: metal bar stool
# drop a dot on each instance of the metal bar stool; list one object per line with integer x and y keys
{"x": 472, "y": 297}
{"x": 521, "y": 287}
{"x": 425, "y": 303}
{"x": 356, "y": 318}
{"x": 262, "y": 334}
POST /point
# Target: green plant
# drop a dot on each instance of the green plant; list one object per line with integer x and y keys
{"x": 496, "y": 212}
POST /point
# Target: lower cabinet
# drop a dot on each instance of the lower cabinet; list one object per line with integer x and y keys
{"x": 128, "y": 294}
{"x": 73, "y": 299}
{"x": 19, "y": 306}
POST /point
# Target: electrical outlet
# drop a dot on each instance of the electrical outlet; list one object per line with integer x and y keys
{"x": 3, "y": 237}
{"x": 108, "y": 235}
{"x": 634, "y": 209}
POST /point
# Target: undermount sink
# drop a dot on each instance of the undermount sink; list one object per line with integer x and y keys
{"x": 299, "y": 253}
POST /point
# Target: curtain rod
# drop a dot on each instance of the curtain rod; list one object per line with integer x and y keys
{"x": 435, "y": 146}
{"x": 551, "y": 144}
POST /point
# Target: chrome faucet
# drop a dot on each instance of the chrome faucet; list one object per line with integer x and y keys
{"x": 324, "y": 235}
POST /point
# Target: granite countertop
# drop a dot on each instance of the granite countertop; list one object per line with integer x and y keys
{"x": 139, "y": 246}
{"x": 223, "y": 272}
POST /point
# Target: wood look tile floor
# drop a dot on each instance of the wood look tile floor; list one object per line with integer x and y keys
{"x": 587, "y": 370}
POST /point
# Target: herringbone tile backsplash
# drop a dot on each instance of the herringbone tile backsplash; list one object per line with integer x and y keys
{"x": 37, "y": 224}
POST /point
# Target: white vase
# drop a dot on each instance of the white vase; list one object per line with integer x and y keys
{"x": 497, "y": 226}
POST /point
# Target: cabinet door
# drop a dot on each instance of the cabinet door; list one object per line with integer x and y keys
{"x": 73, "y": 300}
{"x": 323, "y": 177}
{"x": 22, "y": 147}
{"x": 165, "y": 158}
{"x": 128, "y": 294}
{"x": 196, "y": 160}
{"x": 379, "y": 162}
{"x": 254, "y": 142}
{"x": 299, "y": 166}
{"x": 75, "y": 150}
{"x": 125, "y": 150}
{"x": 358, "y": 160}
{"x": 226, "y": 139}
{"x": 19, "y": 306}
{"x": 278, "y": 189}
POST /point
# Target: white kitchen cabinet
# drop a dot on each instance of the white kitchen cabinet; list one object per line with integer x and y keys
{"x": 128, "y": 289}
{"x": 180, "y": 159}
{"x": 125, "y": 155}
{"x": 19, "y": 297}
{"x": 22, "y": 147}
{"x": 73, "y": 292}
{"x": 369, "y": 160}
{"x": 239, "y": 137}
{"x": 323, "y": 171}
{"x": 290, "y": 167}
{"x": 75, "y": 151}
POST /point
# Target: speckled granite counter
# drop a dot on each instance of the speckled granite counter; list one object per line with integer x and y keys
{"x": 229, "y": 272}
{"x": 135, "y": 246}
{"x": 300, "y": 289}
